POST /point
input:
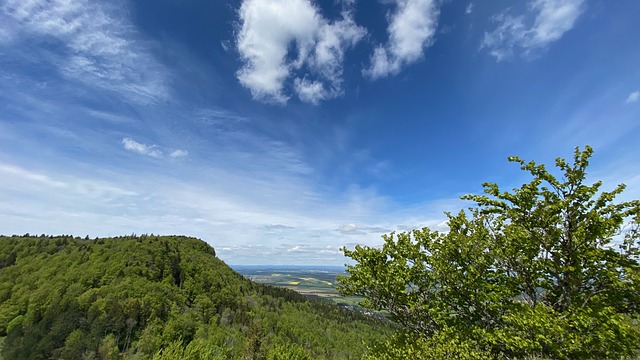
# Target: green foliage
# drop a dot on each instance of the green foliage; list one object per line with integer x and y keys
{"x": 196, "y": 350}
{"x": 445, "y": 344}
{"x": 530, "y": 272}
{"x": 157, "y": 297}
{"x": 108, "y": 349}
{"x": 288, "y": 352}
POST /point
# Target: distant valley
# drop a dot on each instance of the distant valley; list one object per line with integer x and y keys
{"x": 316, "y": 282}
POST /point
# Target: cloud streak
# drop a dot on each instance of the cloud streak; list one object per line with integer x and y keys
{"x": 469, "y": 9}
{"x": 354, "y": 229}
{"x": 545, "y": 22}
{"x": 140, "y": 148}
{"x": 257, "y": 218}
{"x": 179, "y": 154}
{"x": 151, "y": 150}
{"x": 101, "y": 49}
{"x": 633, "y": 97}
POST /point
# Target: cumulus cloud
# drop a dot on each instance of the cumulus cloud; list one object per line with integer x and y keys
{"x": 102, "y": 49}
{"x": 284, "y": 39}
{"x": 310, "y": 91}
{"x": 411, "y": 29}
{"x": 633, "y": 97}
{"x": 545, "y": 22}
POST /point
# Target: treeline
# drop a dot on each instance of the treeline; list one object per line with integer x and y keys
{"x": 158, "y": 297}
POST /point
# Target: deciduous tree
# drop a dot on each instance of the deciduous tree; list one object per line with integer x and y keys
{"x": 548, "y": 269}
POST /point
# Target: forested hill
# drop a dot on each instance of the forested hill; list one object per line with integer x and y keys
{"x": 160, "y": 297}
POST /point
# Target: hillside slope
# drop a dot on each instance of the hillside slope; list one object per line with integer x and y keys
{"x": 160, "y": 297}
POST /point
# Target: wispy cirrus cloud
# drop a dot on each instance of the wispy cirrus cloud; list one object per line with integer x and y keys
{"x": 151, "y": 150}
{"x": 527, "y": 34}
{"x": 633, "y": 97}
{"x": 412, "y": 28}
{"x": 270, "y": 30}
{"x": 179, "y": 154}
{"x": 6, "y": 35}
{"x": 277, "y": 227}
{"x": 469, "y": 9}
{"x": 98, "y": 45}
{"x": 248, "y": 219}
{"x": 140, "y": 148}
{"x": 20, "y": 172}
{"x": 354, "y": 229}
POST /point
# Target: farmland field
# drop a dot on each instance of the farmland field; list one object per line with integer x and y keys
{"x": 317, "y": 282}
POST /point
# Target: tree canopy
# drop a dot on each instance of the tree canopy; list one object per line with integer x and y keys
{"x": 548, "y": 269}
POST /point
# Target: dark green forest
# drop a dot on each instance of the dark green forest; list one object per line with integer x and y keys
{"x": 158, "y": 297}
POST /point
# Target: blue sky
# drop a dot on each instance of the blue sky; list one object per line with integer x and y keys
{"x": 279, "y": 131}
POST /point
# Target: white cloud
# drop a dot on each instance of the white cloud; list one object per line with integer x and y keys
{"x": 101, "y": 47}
{"x": 241, "y": 216}
{"x": 633, "y": 97}
{"x": 411, "y": 29}
{"x": 152, "y": 150}
{"x": 354, "y": 229}
{"x": 6, "y": 35}
{"x": 550, "y": 19}
{"x": 11, "y": 170}
{"x": 33, "y": 184}
{"x": 332, "y": 41}
{"x": 277, "y": 227}
{"x": 281, "y": 38}
{"x": 225, "y": 45}
{"x": 178, "y": 154}
{"x": 296, "y": 248}
{"x": 310, "y": 91}
{"x": 142, "y": 149}
{"x": 214, "y": 116}
{"x": 108, "y": 116}
{"x": 469, "y": 8}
